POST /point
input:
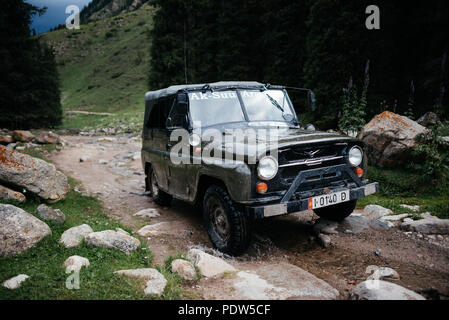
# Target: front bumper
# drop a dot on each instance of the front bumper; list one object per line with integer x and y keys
{"x": 271, "y": 210}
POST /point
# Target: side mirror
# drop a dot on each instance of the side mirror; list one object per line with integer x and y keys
{"x": 310, "y": 127}
{"x": 312, "y": 100}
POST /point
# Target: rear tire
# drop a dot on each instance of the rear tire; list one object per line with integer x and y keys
{"x": 337, "y": 212}
{"x": 159, "y": 197}
{"x": 228, "y": 228}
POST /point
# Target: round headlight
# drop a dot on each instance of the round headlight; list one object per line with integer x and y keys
{"x": 268, "y": 168}
{"x": 355, "y": 156}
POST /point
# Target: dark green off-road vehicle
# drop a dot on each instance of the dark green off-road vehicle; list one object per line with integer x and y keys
{"x": 237, "y": 150}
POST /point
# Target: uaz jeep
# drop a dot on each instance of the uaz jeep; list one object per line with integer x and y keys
{"x": 236, "y": 149}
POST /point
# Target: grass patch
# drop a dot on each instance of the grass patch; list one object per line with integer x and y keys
{"x": 43, "y": 263}
{"x": 402, "y": 187}
{"x": 85, "y": 57}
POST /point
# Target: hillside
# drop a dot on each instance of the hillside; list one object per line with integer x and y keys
{"x": 101, "y": 9}
{"x": 103, "y": 66}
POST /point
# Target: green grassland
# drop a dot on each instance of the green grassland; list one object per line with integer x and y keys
{"x": 103, "y": 67}
{"x": 404, "y": 187}
{"x": 44, "y": 262}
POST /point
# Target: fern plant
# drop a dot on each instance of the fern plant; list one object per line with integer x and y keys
{"x": 431, "y": 157}
{"x": 354, "y": 107}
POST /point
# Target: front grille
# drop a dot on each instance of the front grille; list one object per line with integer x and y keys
{"x": 295, "y": 159}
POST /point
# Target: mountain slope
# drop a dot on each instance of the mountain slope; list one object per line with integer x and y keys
{"x": 100, "y": 9}
{"x": 103, "y": 66}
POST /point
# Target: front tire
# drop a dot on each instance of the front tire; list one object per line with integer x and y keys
{"x": 337, "y": 212}
{"x": 159, "y": 197}
{"x": 227, "y": 227}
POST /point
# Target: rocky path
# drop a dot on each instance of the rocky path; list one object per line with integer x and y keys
{"x": 285, "y": 261}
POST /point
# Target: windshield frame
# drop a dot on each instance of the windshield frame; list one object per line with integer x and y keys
{"x": 293, "y": 122}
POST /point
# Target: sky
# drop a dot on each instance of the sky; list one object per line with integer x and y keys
{"x": 55, "y": 13}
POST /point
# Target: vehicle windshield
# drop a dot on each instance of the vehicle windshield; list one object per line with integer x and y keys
{"x": 268, "y": 105}
{"x": 210, "y": 108}
{"x": 217, "y": 107}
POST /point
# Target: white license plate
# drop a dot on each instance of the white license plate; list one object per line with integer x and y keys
{"x": 328, "y": 199}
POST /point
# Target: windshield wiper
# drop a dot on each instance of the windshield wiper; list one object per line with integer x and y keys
{"x": 275, "y": 103}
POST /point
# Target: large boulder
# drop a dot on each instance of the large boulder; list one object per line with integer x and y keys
{"x": 111, "y": 239}
{"x": 47, "y": 137}
{"x": 383, "y": 290}
{"x": 8, "y": 194}
{"x": 5, "y": 140}
{"x": 22, "y": 136}
{"x": 19, "y": 230}
{"x": 35, "y": 175}
{"x": 389, "y": 137}
{"x": 209, "y": 265}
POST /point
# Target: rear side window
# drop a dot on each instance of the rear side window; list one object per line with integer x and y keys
{"x": 159, "y": 113}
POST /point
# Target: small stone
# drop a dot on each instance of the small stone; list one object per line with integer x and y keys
{"x": 102, "y": 161}
{"x": 184, "y": 268}
{"x": 209, "y": 265}
{"x": 413, "y": 208}
{"x": 74, "y": 236}
{"x": 15, "y": 282}
{"x": 8, "y": 194}
{"x": 22, "y": 136}
{"x": 48, "y": 213}
{"x": 111, "y": 239}
{"x": 84, "y": 158}
{"x": 383, "y": 290}
{"x": 153, "y": 230}
{"x": 325, "y": 226}
{"x": 155, "y": 281}
{"x": 429, "y": 225}
{"x": 383, "y": 273}
{"x": 396, "y": 217}
{"x": 75, "y": 263}
{"x": 324, "y": 240}
{"x": 374, "y": 211}
{"x": 147, "y": 213}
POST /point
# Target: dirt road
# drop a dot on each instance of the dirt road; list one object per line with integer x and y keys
{"x": 112, "y": 172}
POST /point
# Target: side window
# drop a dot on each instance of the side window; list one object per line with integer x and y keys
{"x": 178, "y": 117}
{"x": 159, "y": 113}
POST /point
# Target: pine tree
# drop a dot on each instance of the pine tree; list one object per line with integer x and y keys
{"x": 29, "y": 86}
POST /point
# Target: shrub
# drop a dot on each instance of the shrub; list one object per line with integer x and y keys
{"x": 431, "y": 157}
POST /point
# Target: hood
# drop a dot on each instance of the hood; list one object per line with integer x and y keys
{"x": 257, "y": 141}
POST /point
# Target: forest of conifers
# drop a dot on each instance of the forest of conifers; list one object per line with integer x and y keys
{"x": 319, "y": 44}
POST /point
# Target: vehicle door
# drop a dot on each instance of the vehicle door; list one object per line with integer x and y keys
{"x": 179, "y": 167}
{"x": 155, "y": 140}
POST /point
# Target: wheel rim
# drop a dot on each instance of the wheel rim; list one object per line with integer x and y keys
{"x": 219, "y": 221}
{"x": 154, "y": 186}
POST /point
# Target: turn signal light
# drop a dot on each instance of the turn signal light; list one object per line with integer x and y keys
{"x": 261, "y": 187}
{"x": 359, "y": 172}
